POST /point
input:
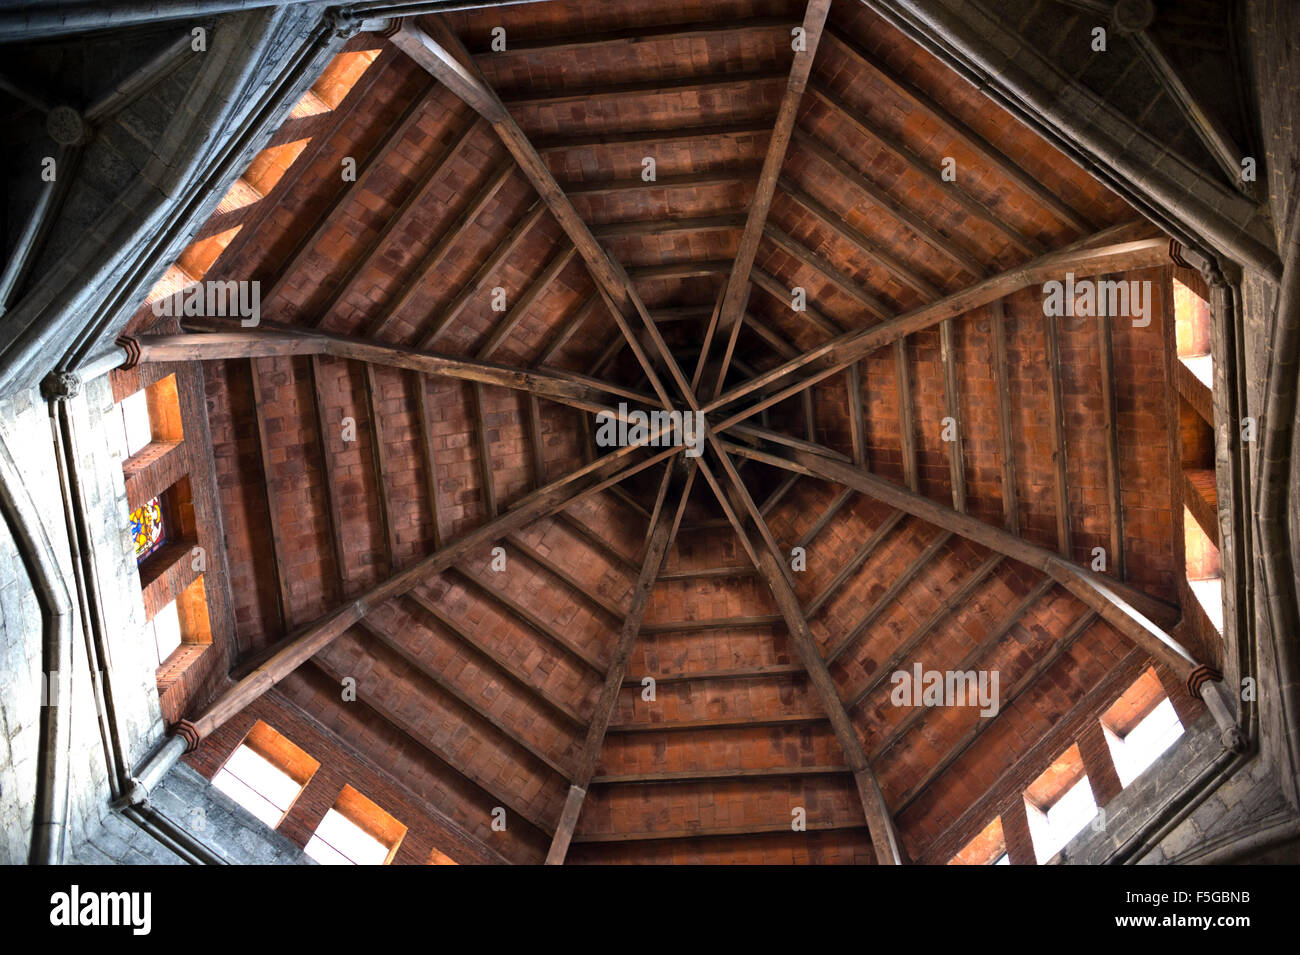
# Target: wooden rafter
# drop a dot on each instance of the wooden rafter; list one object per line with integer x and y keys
{"x": 1136, "y": 615}
{"x": 768, "y": 560}
{"x": 662, "y": 523}
{"x": 1006, "y": 440}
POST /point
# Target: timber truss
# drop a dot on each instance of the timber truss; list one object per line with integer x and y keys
{"x": 733, "y": 403}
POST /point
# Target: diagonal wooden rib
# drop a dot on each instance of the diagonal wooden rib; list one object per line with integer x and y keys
{"x": 662, "y": 523}
{"x": 1134, "y": 614}
{"x": 560, "y": 386}
{"x": 284, "y": 657}
{"x": 1115, "y": 250}
{"x": 737, "y": 288}
{"x": 884, "y": 835}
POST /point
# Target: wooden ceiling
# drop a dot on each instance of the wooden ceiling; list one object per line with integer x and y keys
{"x": 479, "y": 688}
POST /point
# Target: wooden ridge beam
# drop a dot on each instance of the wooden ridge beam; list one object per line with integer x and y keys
{"x": 1136, "y": 615}
{"x": 751, "y": 622}
{"x": 1094, "y": 256}
{"x": 771, "y": 671}
{"x": 563, "y": 387}
{"x": 736, "y": 293}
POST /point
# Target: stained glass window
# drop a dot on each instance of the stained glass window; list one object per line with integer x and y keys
{"x": 147, "y": 529}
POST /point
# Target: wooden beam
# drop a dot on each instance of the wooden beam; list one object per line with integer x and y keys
{"x": 1006, "y": 431}
{"x": 486, "y": 271}
{"x": 424, "y": 421}
{"x": 717, "y": 775}
{"x": 957, "y": 599}
{"x": 967, "y": 662}
{"x": 421, "y": 186}
{"x": 300, "y": 645}
{"x": 952, "y": 409}
{"x": 378, "y": 704}
{"x": 990, "y": 156}
{"x": 333, "y": 513}
{"x": 469, "y": 701}
{"x": 1056, "y": 425}
{"x": 432, "y": 260}
{"x": 506, "y": 666}
{"x": 663, "y": 227}
{"x": 661, "y": 525}
{"x": 1114, "y": 485}
{"x": 692, "y": 180}
{"x": 1136, "y": 615}
{"x": 857, "y": 418}
{"x": 379, "y": 462}
{"x": 1091, "y": 257}
{"x": 272, "y": 504}
{"x": 487, "y": 483}
{"x": 812, "y": 260}
{"x": 906, "y": 415}
{"x": 563, "y": 387}
{"x": 347, "y": 192}
{"x": 868, "y": 247}
{"x": 973, "y": 207}
{"x": 695, "y": 85}
{"x": 559, "y": 261}
{"x": 1022, "y": 686}
{"x": 594, "y": 600}
{"x": 657, "y": 137}
{"x": 882, "y": 202}
{"x": 779, "y": 291}
{"x": 1214, "y": 136}
{"x": 445, "y": 59}
{"x": 672, "y": 33}
{"x": 737, "y": 287}
{"x": 884, "y": 836}
{"x": 896, "y": 587}
{"x": 555, "y": 636}
{"x": 860, "y": 557}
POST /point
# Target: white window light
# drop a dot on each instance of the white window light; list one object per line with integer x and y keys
{"x": 340, "y": 841}
{"x": 258, "y": 785}
{"x": 134, "y": 432}
{"x": 1144, "y": 743}
{"x": 1052, "y": 829}
{"x": 1209, "y": 594}
{"x": 166, "y": 625}
{"x": 1003, "y": 859}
